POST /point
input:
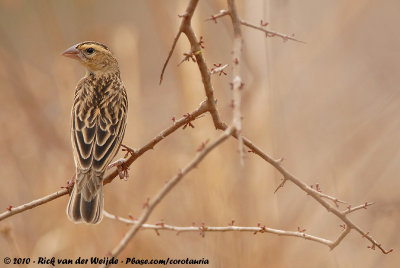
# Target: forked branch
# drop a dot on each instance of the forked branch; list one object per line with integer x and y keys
{"x": 165, "y": 190}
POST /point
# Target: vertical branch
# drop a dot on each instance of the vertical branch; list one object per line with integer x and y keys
{"x": 237, "y": 83}
{"x": 187, "y": 29}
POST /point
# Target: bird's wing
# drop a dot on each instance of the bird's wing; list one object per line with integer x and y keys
{"x": 97, "y": 132}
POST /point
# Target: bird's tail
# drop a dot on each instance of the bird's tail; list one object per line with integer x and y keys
{"x": 86, "y": 201}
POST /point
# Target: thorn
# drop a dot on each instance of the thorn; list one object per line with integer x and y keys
{"x": 280, "y": 185}
{"x": 232, "y": 223}
{"x": 189, "y": 56}
{"x": 201, "y": 42}
{"x": 372, "y": 247}
{"x": 131, "y": 217}
{"x": 301, "y": 230}
{"x": 263, "y": 24}
{"x": 146, "y": 204}
{"x": 367, "y": 205}
{"x": 203, "y": 228}
{"x": 317, "y": 188}
{"x": 336, "y": 202}
{"x": 258, "y": 225}
{"x": 188, "y": 116}
{"x": 218, "y": 68}
{"x": 202, "y": 146}
{"x": 389, "y": 251}
{"x": 349, "y": 207}
{"x": 214, "y": 18}
{"x": 160, "y": 223}
{"x": 9, "y": 208}
{"x": 70, "y": 184}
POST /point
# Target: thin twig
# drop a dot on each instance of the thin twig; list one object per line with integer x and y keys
{"x": 335, "y": 200}
{"x": 218, "y": 69}
{"x": 271, "y": 33}
{"x": 230, "y": 228}
{"x": 169, "y": 56}
{"x": 315, "y": 195}
{"x": 352, "y": 209}
{"x": 268, "y": 33}
{"x": 219, "y": 15}
{"x": 15, "y": 210}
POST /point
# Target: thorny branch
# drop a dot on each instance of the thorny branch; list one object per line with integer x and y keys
{"x": 230, "y": 228}
{"x": 209, "y": 105}
{"x": 317, "y": 195}
{"x": 134, "y": 155}
{"x": 268, "y": 33}
{"x": 165, "y": 190}
{"x": 186, "y": 28}
{"x": 237, "y": 83}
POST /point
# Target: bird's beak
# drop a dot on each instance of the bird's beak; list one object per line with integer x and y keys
{"x": 71, "y": 52}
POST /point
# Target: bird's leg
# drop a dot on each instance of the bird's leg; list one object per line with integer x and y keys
{"x": 122, "y": 169}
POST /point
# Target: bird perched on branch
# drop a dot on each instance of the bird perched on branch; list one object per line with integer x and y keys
{"x": 98, "y": 125}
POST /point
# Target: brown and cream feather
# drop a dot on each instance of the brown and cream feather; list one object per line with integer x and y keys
{"x": 98, "y": 124}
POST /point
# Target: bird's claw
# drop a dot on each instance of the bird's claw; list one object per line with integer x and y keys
{"x": 122, "y": 169}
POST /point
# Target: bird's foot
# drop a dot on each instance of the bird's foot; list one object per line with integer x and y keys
{"x": 128, "y": 150}
{"x": 121, "y": 167}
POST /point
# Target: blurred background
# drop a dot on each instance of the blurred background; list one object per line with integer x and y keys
{"x": 330, "y": 108}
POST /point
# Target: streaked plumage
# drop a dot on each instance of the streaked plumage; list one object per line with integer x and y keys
{"x": 98, "y": 122}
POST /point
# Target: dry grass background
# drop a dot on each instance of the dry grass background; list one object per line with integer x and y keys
{"x": 330, "y": 108}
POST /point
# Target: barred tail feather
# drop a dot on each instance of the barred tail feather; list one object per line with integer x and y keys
{"x": 86, "y": 202}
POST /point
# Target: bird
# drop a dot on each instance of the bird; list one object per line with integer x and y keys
{"x": 98, "y": 123}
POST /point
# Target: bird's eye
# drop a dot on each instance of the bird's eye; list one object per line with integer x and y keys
{"x": 89, "y": 50}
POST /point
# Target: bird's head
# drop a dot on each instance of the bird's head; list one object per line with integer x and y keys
{"x": 96, "y": 57}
